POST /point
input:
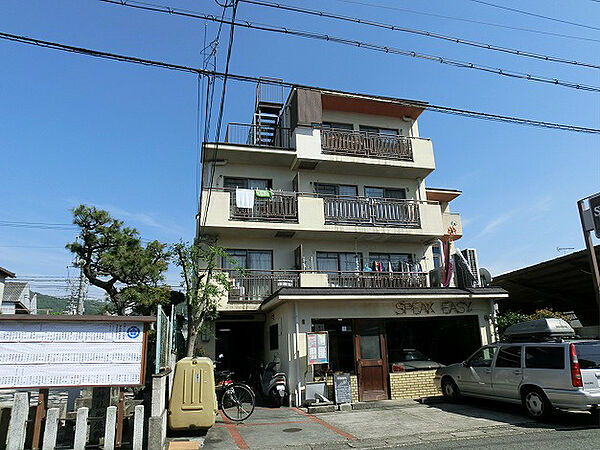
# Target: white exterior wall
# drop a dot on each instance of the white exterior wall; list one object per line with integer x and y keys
{"x": 404, "y": 127}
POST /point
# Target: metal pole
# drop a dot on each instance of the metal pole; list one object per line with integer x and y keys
{"x": 81, "y": 293}
{"x": 591, "y": 253}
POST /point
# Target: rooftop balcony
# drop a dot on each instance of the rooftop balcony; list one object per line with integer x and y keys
{"x": 255, "y": 286}
{"x": 366, "y": 145}
{"x": 305, "y": 215}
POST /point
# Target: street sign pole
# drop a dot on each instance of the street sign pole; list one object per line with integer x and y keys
{"x": 587, "y": 234}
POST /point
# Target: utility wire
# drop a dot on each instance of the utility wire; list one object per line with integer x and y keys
{"x": 251, "y": 79}
{"x": 220, "y": 116}
{"x": 430, "y": 34}
{"x": 461, "y": 19}
{"x": 366, "y": 45}
{"x": 540, "y": 16}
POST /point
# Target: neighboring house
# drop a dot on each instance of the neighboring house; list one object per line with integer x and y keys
{"x": 563, "y": 284}
{"x": 17, "y": 298}
{"x": 323, "y": 201}
{"x": 4, "y": 274}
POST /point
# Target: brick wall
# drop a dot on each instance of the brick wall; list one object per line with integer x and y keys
{"x": 415, "y": 384}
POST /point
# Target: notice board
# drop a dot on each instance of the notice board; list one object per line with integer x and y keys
{"x": 342, "y": 388}
{"x": 56, "y": 353}
{"x": 317, "y": 347}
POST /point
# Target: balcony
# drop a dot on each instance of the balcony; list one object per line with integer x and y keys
{"x": 280, "y": 207}
{"x": 255, "y": 286}
{"x": 368, "y": 145}
{"x": 371, "y": 211}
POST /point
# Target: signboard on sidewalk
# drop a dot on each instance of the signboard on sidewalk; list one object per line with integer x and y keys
{"x": 317, "y": 347}
{"x": 595, "y": 209}
{"x": 39, "y": 352}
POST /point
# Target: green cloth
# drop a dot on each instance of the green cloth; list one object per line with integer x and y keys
{"x": 263, "y": 193}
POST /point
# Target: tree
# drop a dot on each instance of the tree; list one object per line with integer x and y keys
{"x": 113, "y": 258}
{"x": 203, "y": 284}
{"x": 511, "y": 317}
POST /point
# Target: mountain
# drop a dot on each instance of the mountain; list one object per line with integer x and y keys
{"x": 58, "y": 305}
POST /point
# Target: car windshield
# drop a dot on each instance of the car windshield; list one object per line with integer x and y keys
{"x": 588, "y": 354}
{"x": 412, "y": 355}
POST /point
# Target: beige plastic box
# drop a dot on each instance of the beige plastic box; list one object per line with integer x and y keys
{"x": 193, "y": 403}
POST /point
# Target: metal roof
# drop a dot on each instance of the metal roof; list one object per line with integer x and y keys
{"x": 563, "y": 284}
{"x": 13, "y": 291}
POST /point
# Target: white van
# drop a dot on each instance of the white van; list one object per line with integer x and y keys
{"x": 542, "y": 366}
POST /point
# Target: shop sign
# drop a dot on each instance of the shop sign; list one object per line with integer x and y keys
{"x": 83, "y": 353}
{"x": 595, "y": 208}
{"x": 418, "y": 308}
{"x": 317, "y": 347}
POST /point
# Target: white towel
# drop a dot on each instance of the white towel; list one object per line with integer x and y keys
{"x": 244, "y": 198}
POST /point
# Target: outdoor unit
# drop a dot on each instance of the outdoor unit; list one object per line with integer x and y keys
{"x": 470, "y": 255}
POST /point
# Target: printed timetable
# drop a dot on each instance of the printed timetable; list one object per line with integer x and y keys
{"x": 81, "y": 353}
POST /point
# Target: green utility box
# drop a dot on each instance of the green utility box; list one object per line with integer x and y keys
{"x": 193, "y": 403}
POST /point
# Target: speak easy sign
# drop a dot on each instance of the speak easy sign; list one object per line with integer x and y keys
{"x": 49, "y": 353}
{"x": 595, "y": 209}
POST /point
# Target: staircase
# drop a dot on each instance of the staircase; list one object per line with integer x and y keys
{"x": 269, "y": 101}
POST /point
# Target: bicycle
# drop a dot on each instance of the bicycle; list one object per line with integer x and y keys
{"x": 236, "y": 400}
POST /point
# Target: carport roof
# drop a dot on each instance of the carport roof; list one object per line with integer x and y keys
{"x": 307, "y": 292}
{"x": 563, "y": 284}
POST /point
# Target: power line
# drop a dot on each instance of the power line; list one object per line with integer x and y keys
{"x": 251, "y": 79}
{"x": 366, "y": 45}
{"x": 541, "y": 16}
{"x": 430, "y": 34}
{"x": 461, "y": 19}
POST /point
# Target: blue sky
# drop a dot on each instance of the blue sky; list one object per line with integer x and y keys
{"x": 76, "y": 129}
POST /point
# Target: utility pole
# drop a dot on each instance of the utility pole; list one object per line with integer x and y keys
{"x": 589, "y": 223}
{"x": 81, "y": 293}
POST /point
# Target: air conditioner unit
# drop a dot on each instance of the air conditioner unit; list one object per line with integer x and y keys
{"x": 470, "y": 255}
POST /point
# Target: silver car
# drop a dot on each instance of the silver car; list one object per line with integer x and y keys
{"x": 540, "y": 375}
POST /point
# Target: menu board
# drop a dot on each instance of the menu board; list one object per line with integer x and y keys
{"x": 64, "y": 353}
{"x": 317, "y": 347}
{"x": 342, "y": 388}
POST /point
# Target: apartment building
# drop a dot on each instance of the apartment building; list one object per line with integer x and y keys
{"x": 322, "y": 199}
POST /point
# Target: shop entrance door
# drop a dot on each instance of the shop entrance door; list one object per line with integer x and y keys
{"x": 371, "y": 361}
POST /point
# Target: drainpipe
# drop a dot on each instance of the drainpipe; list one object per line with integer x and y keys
{"x": 299, "y": 384}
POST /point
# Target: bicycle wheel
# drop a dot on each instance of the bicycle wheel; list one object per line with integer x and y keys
{"x": 238, "y": 402}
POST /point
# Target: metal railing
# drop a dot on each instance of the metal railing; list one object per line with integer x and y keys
{"x": 256, "y": 286}
{"x": 378, "y": 280}
{"x": 280, "y": 207}
{"x": 371, "y": 211}
{"x": 370, "y": 145}
{"x": 269, "y": 90}
{"x": 258, "y": 135}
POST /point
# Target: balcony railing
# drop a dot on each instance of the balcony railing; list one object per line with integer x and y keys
{"x": 280, "y": 207}
{"x": 258, "y": 135}
{"x": 369, "y": 145}
{"x": 371, "y": 211}
{"x": 256, "y": 285}
{"x": 378, "y": 280}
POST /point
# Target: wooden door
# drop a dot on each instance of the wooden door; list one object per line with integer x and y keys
{"x": 371, "y": 360}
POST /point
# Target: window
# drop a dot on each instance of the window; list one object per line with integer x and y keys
{"x": 545, "y": 357}
{"x": 249, "y": 259}
{"x": 274, "y": 337}
{"x": 377, "y": 130}
{"x": 509, "y": 357}
{"x": 483, "y": 358}
{"x": 338, "y": 126}
{"x": 588, "y": 354}
{"x": 336, "y": 189}
{"x": 376, "y": 192}
{"x": 246, "y": 183}
{"x": 437, "y": 256}
{"x": 398, "y": 261}
{"x": 339, "y": 261}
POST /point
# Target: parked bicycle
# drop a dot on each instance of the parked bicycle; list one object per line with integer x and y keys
{"x": 236, "y": 400}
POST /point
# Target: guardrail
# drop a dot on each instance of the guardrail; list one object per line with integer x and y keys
{"x": 370, "y": 145}
{"x": 256, "y": 286}
{"x": 280, "y": 207}
{"x": 378, "y": 280}
{"x": 258, "y": 135}
{"x": 371, "y": 211}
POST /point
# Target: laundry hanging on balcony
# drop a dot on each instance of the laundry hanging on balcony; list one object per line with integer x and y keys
{"x": 244, "y": 198}
{"x": 263, "y": 193}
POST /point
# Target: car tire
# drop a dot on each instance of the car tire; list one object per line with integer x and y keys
{"x": 450, "y": 389}
{"x": 536, "y": 404}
